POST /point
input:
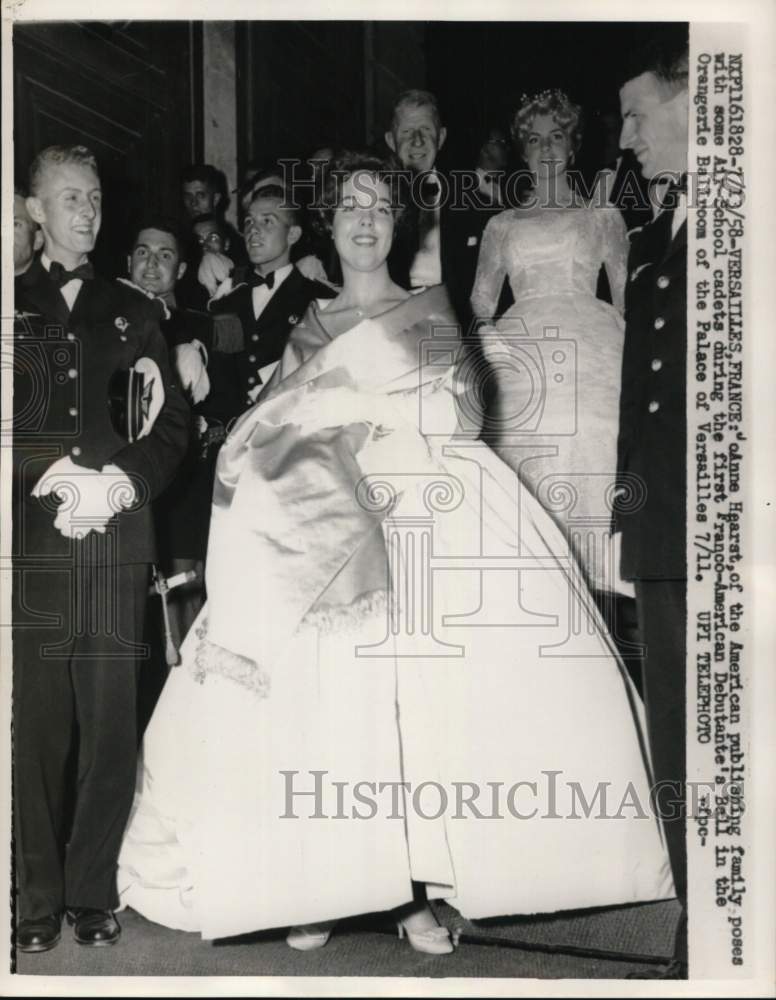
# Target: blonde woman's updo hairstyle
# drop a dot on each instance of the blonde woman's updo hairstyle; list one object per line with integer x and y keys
{"x": 558, "y": 106}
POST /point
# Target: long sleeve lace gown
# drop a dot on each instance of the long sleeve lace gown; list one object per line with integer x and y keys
{"x": 555, "y": 356}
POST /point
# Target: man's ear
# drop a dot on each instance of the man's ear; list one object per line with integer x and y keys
{"x": 294, "y": 235}
{"x": 390, "y": 142}
{"x": 129, "y": 264}
{"x": 35, "y": 209}
{"x": 442, "y": 137}
{"x": 181, "y": 270}
{"x": 679, "y": 106}
{"x": 227, "y": 242}
{"x": 216, "y": 199}
{"x": 38, "y": 240}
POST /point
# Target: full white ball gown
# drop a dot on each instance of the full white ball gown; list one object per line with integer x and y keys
{"x": 505, "y": 721}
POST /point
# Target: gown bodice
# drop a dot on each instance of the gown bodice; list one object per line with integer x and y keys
{"x": 552, "y": 253}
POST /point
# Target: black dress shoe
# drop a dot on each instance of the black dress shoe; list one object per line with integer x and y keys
{"x": 94, "y": 927}
{"x": 40, "y": 934}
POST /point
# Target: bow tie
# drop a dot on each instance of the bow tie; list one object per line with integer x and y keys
{"x": 255, "y": 280}
{"x": 60, "y": 276}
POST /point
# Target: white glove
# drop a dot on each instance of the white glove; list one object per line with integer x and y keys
{"x": 312, "y": 269}
{"x": 215, "y": 267}
{"x": 191, "y": 370}
{"x": 90, "y": 498}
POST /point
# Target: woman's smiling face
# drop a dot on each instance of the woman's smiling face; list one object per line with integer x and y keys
{"x": 547, "y": 146}
{"x": 362, "y": 228}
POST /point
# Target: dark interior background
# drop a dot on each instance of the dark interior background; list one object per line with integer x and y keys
{"x": 133, "y": 91}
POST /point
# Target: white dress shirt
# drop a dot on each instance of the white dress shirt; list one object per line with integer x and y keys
{"x": 262, "y": 294}
{"x": 426, "y": 268}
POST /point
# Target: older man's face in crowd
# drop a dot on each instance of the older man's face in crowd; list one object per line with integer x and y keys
{"x": 415, "y": 138}
{"x": 27, "y": 237}
{"x": 654, "y": 125}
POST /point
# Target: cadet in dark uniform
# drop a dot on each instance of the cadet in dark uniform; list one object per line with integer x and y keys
{"x": 90, "y": 452}
{"x": 272, "y": 295}
{"x": 653, "y": 437}
{"x": 201, "y": 347}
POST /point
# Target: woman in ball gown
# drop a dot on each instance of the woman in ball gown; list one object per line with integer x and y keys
{"x": 343, "y": 735}
{"x": 555, "y": 355}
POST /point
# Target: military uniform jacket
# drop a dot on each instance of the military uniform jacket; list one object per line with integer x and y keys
{"x": 265, "y": 338}
{"x": 63, "y": 363}
{"x": 651, "y": 510}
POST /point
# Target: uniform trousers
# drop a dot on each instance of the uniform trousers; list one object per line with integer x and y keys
{"x": 77, "y": 648}
{"x": 662, "y": 614}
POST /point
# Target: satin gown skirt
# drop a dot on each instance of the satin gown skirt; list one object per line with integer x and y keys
{"x": 518, "y": 739}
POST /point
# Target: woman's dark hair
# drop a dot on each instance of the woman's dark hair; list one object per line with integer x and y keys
{"x": 343, "y": 166}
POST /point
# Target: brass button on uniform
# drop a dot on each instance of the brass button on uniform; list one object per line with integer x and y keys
{"x": 72, "y": 373}
{"x": 654, "y": 406}
{"x": 657, "y": 364}
{"x": 252, "y": 357}
{"x": 663, "y": 281}
{"x": 659, "y": 323}
{"x": 75, "y": 450}
{"x": 73, "y": 411}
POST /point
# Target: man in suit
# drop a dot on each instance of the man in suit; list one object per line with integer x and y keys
{"x": 90, "y": 452}
{"x": 446, "y": 215}
{"x": 272, "y": 295}
{"x": 203, "y": 192}
{"x": 653, "y": 435}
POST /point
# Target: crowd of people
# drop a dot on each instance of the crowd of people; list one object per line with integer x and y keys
{"x": 215, "y": 412}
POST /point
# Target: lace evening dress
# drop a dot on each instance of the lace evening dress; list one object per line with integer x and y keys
{"x": 555, "y": 356}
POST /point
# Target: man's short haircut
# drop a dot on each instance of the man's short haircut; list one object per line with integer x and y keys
{"x": 55, "y": 156}
{"x": 666, "y": 56}
{"x": 281, "y": 194}
{"x": 417, "y": 99}
{"x": 210, "y": 217}
{"x": 267, "y": 171}
{"x": 164, "y": 224}
{"x": 203, "y": 172}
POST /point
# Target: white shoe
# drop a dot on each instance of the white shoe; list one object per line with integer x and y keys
{"x": 310, "y": 936}
{"x": 434, "y": 941}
